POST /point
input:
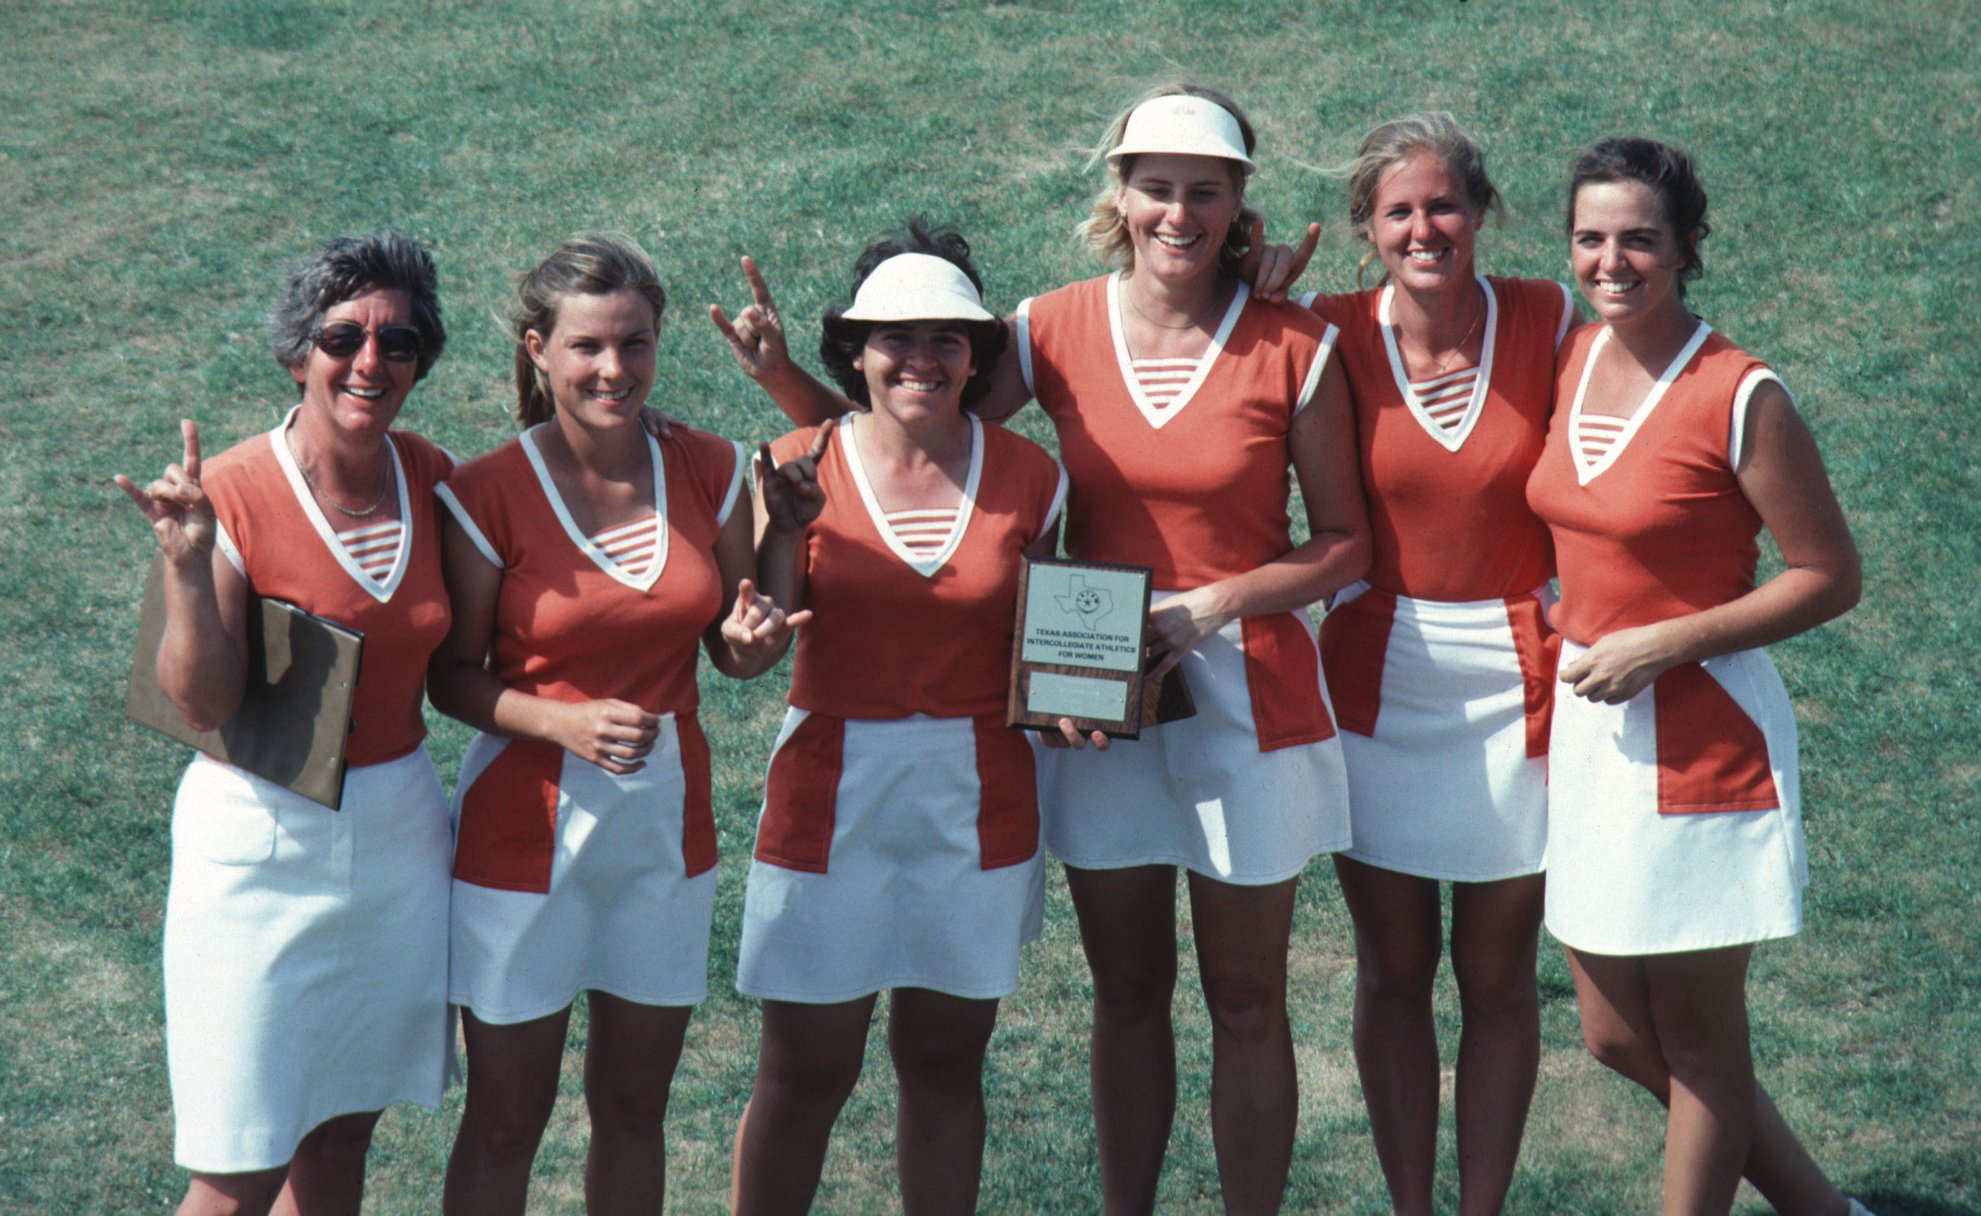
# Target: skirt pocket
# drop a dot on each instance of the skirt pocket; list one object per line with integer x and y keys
{"x": 1711, "y": 755}
{"x": 220, "y": 816}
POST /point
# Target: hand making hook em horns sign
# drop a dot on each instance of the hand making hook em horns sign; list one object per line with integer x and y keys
{"x": 756, "y": 336}
{"x": 181, "y": 517}
{"x": 756, "y": 624}
{"x": 1272, "y": 270}
{"x": 791, "y": 493}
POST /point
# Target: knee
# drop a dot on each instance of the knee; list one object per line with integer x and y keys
{"x": 1135, "y": 993}
{"x": 507, "y": 1125}
{"x": 632, "y": 1109}
{"x": 232, "y": 1194}
{"x": 951, "y": 1062}
{"x": 341, "y": 1141}
{"x": 805, "y": 1083}
{"x": 1496, "y": 987}
{"x": 1396, "y": 970}
{"x": 1709, "y": 1061}
{"x": 1628, "y": 1056}
{"x": 1249, "y": 1007}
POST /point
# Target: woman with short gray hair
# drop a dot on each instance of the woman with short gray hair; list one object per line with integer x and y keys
{"x": 306, "y": 948}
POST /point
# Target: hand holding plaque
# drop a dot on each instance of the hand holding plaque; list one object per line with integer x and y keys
{"x": 1079, "y": 651}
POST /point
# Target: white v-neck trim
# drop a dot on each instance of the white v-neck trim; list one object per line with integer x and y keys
{"x": 1159, "y": 416}
{"x": 924, "y": 566}
{"x": 590, "y": 549}
{"x": 379, "y": 589}
{"x": 1587, "y": 471}
{"x": 1454, "y": 438}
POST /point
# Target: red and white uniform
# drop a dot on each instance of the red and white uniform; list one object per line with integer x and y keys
{"x": 1675, "y": 820}
{"x": 1196, "y": 489}
{"x": 306, "y": 949}
{"x": 899, "y": 840}
{"x": 567, "y": 877}
{"x": 1441, "y": 662}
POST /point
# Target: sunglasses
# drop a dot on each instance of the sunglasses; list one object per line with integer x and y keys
{"x": 341, "y": 340}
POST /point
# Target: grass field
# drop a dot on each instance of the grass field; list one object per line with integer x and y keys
{"x": 159, "y": 161}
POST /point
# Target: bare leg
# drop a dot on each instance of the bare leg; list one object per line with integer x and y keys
{"x": 1128, "y": 930}
{"x": 937, "y": 1042}
{"x": 630, "y": 1055}
{"x": 1242, "y": 935}
{"x": 1494, "y": 927}
{"x": 512, "y": 1086}
{"x": 807, "y": 1064}
{"x": 250, "y": 1194}
{"x": 327, "y": 1174}
{"x": 1615, "y": 998}
{"x": 1399, "y": 936}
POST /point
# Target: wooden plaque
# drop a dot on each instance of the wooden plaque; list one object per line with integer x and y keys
{"x": 1078, "y": 651}
{"x": 296, "y": 712}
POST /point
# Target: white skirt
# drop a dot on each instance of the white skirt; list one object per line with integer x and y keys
{"x": 1444, "y": 785}
{"x": 622, "y": 915}
{"x": 895, "y": 889}
{"x": 1199, "y": 793}
{"x": 1675, "y": 818}
{"x": 305, "y": 957}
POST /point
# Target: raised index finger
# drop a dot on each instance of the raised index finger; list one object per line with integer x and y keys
{"x": 825, "y": 437}
{"x": 1305, "y": 253}
{"x": 759, "y": 290}
{"x": 189, "y": 432}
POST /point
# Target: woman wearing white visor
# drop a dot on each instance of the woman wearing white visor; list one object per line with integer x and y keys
{"x": 1180, "y": 402}
{"x": 899, "y": 842}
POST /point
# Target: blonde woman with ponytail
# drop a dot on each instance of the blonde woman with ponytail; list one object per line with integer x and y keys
{"x": 587, "y": 561}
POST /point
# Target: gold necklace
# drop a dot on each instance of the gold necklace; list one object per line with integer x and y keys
{"x": 1477, "y": 317}
{"x": 384, "y": 489}
{"x": 1192, "y": 323}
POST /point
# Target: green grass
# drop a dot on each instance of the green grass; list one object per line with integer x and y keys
{"x": 159, "y": 161}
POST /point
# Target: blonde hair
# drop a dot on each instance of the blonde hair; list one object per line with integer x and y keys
{"x": 1105, "y": 232}
{"x": 597, "y": 264}
{"x": 1392, "y": 143}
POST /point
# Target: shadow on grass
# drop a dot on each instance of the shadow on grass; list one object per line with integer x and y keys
{"x": 1897, "y": 1203}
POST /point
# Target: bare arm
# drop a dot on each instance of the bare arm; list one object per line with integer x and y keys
{"x": 1335, "y": 554}
{"x": 615, "y": 735}
{"x": 752, "y": 632}
{"x": 788, "y": 498}
{"x": 1008, "y": 392}
{"x": 756, "y": 339}
{"x": 203, "y": 656}
{"x": 1781, "y": 473}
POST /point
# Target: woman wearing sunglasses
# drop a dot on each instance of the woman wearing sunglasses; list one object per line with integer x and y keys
{"x": 306, "y": 949}
{"x": 588, "y": 561}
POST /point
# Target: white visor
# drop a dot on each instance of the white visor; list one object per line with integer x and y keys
{"x": 1180, "y": 123}
{"x": 917, "y": 287}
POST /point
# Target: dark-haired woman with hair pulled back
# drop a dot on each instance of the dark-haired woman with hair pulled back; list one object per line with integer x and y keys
{"x": 587, "y": 560}
{"x": 1674, "y": 834}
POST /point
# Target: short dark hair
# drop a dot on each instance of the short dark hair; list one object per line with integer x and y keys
{"x": 1667, "y": 171}
{"x": 347, "y": 267}
{"x": 841, "y": 340}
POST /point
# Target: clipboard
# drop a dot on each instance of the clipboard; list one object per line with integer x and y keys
{"x": 295, "y": 714}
